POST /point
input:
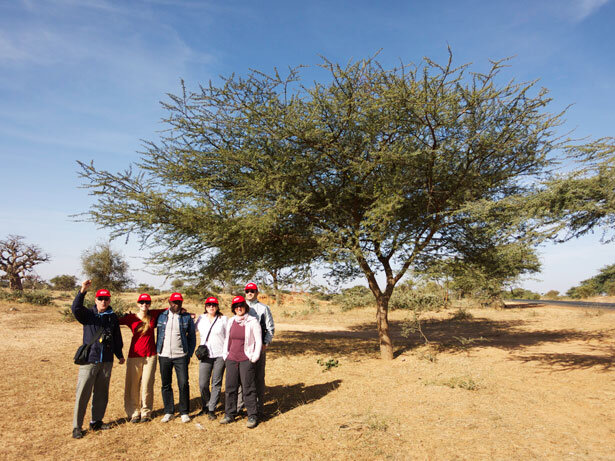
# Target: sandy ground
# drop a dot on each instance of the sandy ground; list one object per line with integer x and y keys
{"x": 517, "y": 383}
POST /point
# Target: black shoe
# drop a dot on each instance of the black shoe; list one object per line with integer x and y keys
{"x": 77, "y": 433}
{"x": 227, "y": 420}
{"x": 99, "y": 426}
{"x": 211, "y": 415}
{"x": 252, "y": 422}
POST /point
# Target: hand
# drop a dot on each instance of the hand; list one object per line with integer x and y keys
{"x": 85, "y": 285}
{"x": 121, "y": 361}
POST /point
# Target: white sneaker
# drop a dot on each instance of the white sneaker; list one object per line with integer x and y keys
{"x": 185, "y": 419}
{"x": 166, "y": 418}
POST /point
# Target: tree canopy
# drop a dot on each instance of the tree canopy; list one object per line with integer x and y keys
{"x": 371, "y": 171}
{"x": 106, "y": 267}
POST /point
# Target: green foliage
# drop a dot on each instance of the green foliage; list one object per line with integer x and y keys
{"x": 462, "y": 382}
{"x": 144, "y": 288}
{"x": 603, "y": 283}
{"x": 461, "y": 315}
{"x": 38, "y": 297}
{"x": 372, "y": 171}
{"x": 177, "y": 284}
{"x": 106, "y": 267}
{"x": 10, "y": 295}
{"x": 355, "y": 297}
{"x": 520, "y": 293}
{"x": 64, "y": 282}
{"x": 328, "y": 364}
{"x": 551, "y": 294}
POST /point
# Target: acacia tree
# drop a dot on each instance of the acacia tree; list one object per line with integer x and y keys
{"x": 382, "y": 169}
{"x": 17, "y": 259}
{"x": 106, "y": 267}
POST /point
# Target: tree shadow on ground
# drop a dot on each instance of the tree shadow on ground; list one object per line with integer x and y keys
{"x": 283, "y": 398}
{"x": 567, "y": 362}
{"x": 444, "y": 334}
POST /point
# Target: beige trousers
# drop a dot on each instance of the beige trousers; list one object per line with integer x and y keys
{"x": 139, "y": 387}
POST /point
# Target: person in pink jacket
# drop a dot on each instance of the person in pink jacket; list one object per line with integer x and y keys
{"x": 242, "y": 349}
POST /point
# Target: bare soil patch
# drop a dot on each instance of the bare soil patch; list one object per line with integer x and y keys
{"x": 517, "y": 383}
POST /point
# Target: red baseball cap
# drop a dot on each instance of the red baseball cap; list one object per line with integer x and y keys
{"x": 238, "y": 299}
{"x": 103, "y": 292}
{"x": 176, "y": 297}
{"x": 211, "y": 300}
{"x": 251, "y": 286}
{"x": 144, "y": 297}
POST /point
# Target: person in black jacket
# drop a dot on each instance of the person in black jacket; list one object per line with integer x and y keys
{"x": 94, "y": 377}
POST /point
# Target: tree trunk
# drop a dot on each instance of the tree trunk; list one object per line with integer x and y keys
{"x": 382, "y": 318}
{"x": 15, "y": 282}
{"x": 276, "y": 288}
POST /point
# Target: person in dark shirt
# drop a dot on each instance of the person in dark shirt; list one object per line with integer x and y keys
{"x": 94, "y": 377}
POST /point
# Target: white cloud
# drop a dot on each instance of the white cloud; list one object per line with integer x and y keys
{"x": 581, "y": 9}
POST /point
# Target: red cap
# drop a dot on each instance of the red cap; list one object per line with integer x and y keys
{"x": 251, "y": 286}
{"x": 103, "y": 292}
{"x": 238, "y": 299}
{"x": 211, "y": 300}
{"x": 176, "y": 297}
{"x": 144, "y": 297}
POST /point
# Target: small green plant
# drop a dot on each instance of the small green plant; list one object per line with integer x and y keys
{"x": 67, "y": 314}
{"x": 429, "y": 354}
{"x": 376, "y": 424}
{"x": 462, "y": 382}
{"x": 328, "y": 364}
{"x": 461, "y": 315}
{"x": 38, "y": 297}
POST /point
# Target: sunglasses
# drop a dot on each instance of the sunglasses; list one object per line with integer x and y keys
{"x": 211, "y": 305}
{"x": 103, "y": 298}
{"x": 250, "y": 291}
{"x": 144, "y": 302}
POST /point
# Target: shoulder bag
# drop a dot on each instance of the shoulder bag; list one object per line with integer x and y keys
{"x": 202, "y": 353}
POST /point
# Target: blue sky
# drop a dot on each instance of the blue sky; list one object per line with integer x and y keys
{"x": 82, "y": 80}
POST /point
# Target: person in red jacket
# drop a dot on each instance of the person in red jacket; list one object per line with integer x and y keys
{"x": 141, "y": 363}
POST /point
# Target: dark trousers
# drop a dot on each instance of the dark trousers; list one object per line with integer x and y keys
{"x": 210, "y": 369}
{"x": 240, "y": 373}
{"x": 259, "y": 380}
{"x": 166, "y": 377}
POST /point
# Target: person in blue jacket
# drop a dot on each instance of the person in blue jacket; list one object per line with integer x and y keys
{"x": 94, "y": 377}
{"x": 175, "y": 343}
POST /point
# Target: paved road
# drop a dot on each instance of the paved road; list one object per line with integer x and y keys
{"x": 566, "y": 303}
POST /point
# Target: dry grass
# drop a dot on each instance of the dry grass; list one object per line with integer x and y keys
{"x": 518, "y": 383}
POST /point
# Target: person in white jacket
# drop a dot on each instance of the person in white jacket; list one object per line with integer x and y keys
{"x": 242, "y": 349}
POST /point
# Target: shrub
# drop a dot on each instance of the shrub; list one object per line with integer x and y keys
{"x": 11, "y": 295}
{"x": 64, "y": 282}
{"x": 552, "y": 294}
{"x": 38, "y": 297}
{"x": 351, "y": 298}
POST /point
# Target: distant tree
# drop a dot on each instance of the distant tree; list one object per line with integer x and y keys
{"x": 177, "y": 284}
{"x": 603, "y": 283}
{"x": 374, "y": 170}
{"x": 17, "y": 259}
{"x": 106, "y": 267}
{"x": 64, "y": 282}
{"x": 551, "y": 294}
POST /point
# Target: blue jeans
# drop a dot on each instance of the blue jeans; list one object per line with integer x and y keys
{"x": 166, "y": 377}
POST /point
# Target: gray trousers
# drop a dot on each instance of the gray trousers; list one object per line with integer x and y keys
{"x": 209, "y": 400}
{"x": 259, "y": 381}
{"x": 93, "y": 381}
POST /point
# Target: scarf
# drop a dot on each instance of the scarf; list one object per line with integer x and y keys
{"x": 241, "y": 320}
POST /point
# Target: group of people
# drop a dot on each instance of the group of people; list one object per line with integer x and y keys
{"x": 168, "y": 337}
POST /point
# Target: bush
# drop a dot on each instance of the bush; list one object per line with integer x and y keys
{"x": 520, "y": 293}
{"x": 10, "y": 295}
{"x": 552, "y": 294}
{"x": 64, "y": 282}
{"x": 351, "y": 298}
{"x": 38, "y": 297}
